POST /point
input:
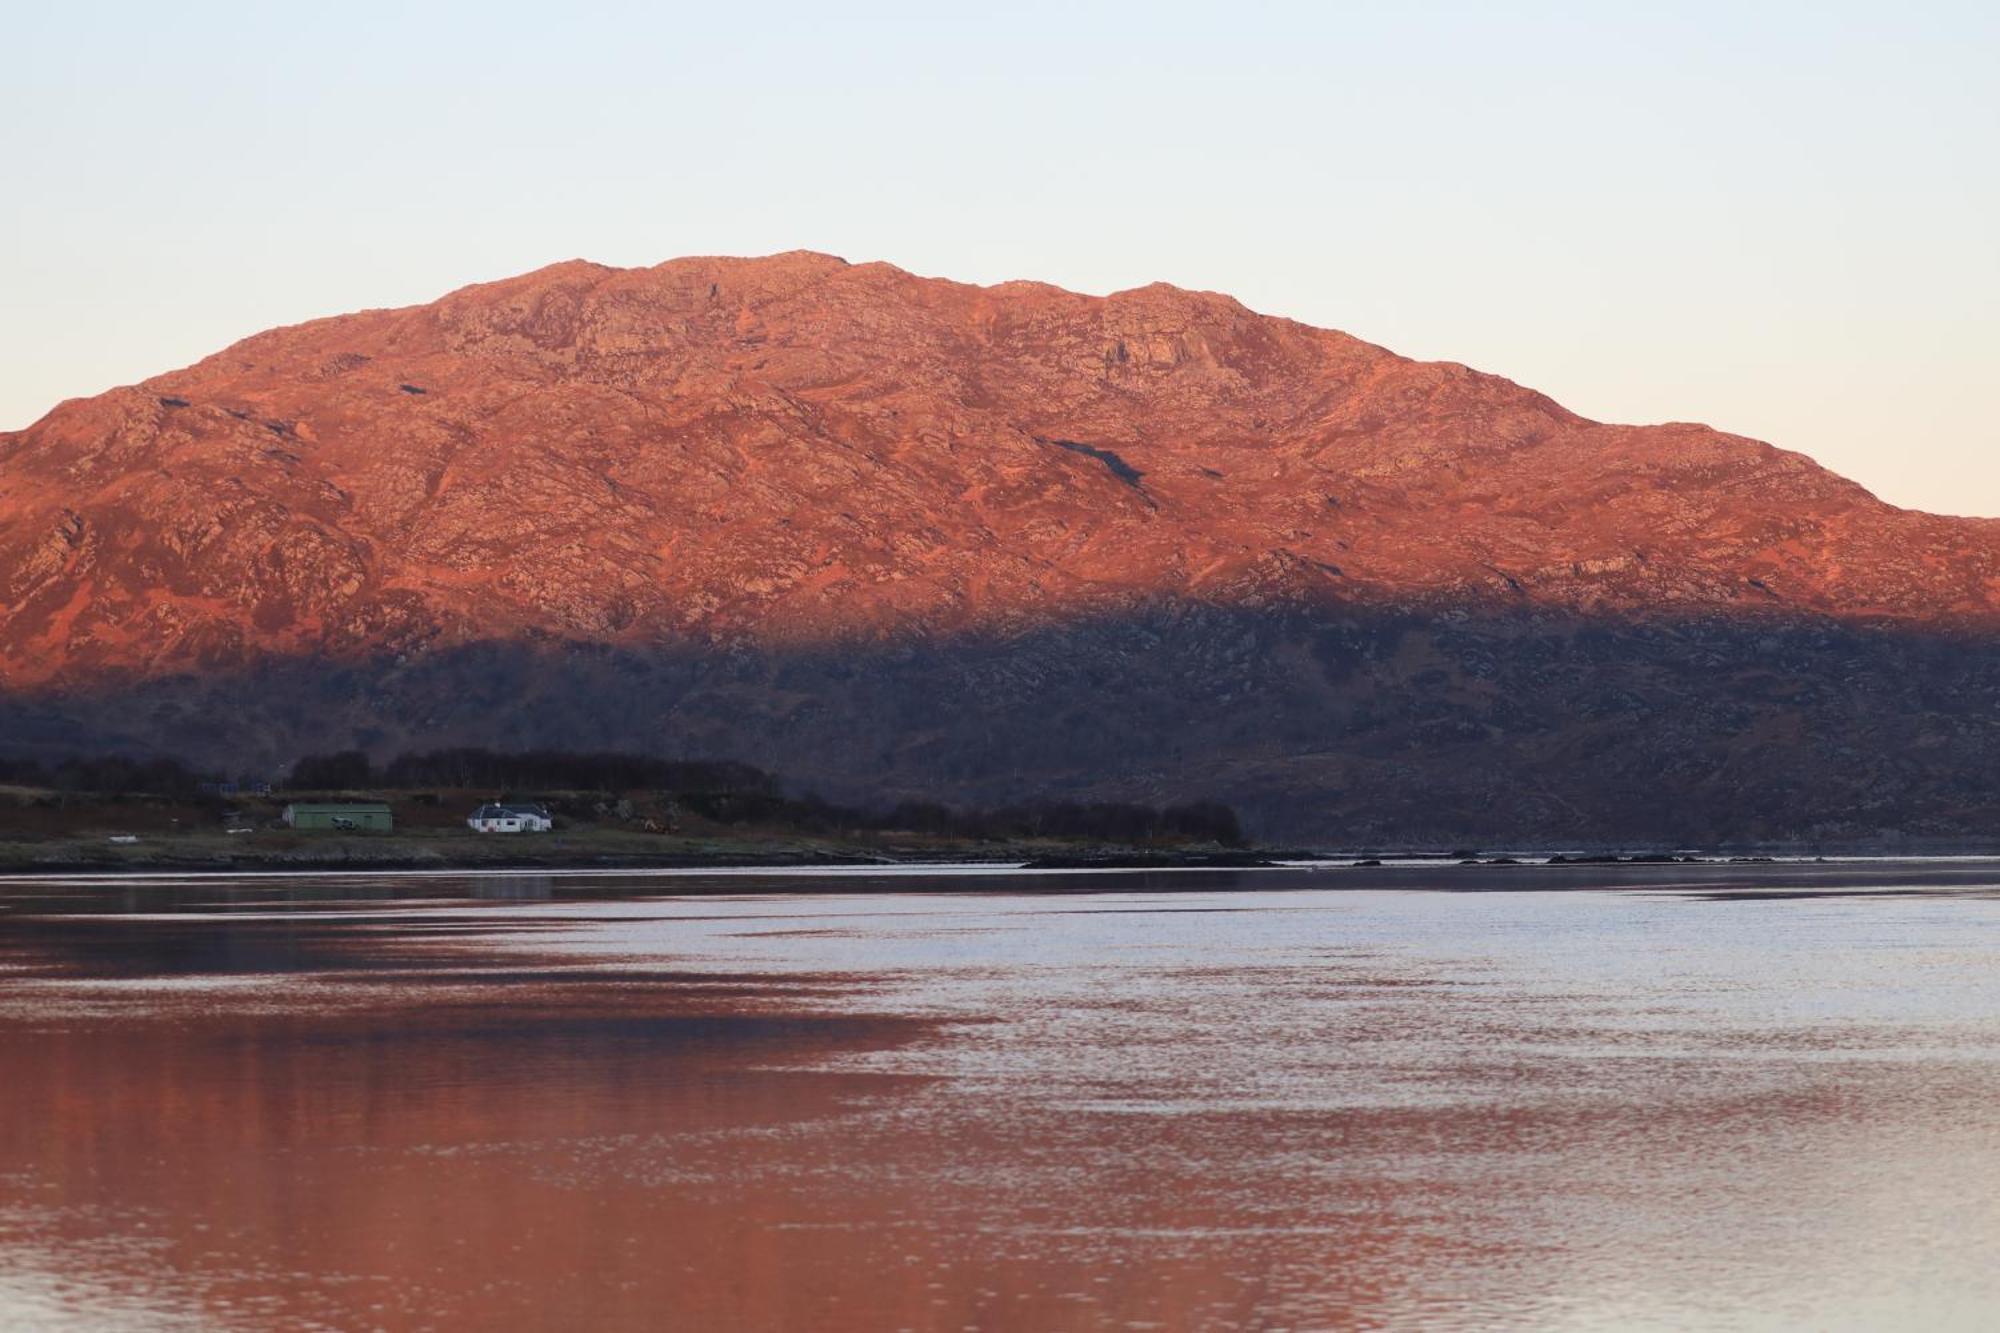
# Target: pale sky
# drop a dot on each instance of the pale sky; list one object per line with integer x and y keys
{"x": 1781, "y": 219}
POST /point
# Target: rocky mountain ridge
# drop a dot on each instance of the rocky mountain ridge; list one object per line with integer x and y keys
{"x": 793, "y": 460}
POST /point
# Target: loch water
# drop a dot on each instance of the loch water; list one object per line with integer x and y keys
{"x": 1693, "y": 1096}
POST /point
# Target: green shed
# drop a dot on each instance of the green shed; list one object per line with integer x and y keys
{"x": 347, "y": 816}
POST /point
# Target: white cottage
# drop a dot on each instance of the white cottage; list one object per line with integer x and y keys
{"x": 494, "y": 818}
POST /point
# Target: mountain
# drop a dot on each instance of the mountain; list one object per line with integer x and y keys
{"x": 901, "y": 536}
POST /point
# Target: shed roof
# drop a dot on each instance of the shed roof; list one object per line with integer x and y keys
{"x": 340, "y": 807}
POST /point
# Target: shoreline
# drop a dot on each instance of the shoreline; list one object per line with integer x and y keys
{"x": 357, "y": 855}
{"x": 1015, "y": 861}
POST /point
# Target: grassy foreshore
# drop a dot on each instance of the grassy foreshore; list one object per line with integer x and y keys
{"x": 45, "y": 833}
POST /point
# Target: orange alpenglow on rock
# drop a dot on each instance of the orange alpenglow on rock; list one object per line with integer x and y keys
{"x": 606, "y": 484}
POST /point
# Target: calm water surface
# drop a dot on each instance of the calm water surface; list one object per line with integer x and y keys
{"x": 1675, "y": 1097}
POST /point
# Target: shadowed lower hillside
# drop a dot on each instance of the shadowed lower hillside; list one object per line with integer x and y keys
{"x": 1313, "y": 726}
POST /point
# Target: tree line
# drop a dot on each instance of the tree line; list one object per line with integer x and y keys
{"x": 552, "y": 770}
{"x": 104, "y": 775}
{"x": 1104, "y": 821}
{"x": 727, "y": 792}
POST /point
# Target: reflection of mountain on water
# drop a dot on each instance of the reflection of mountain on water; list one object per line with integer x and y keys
{"x": 1267, "y": 1099}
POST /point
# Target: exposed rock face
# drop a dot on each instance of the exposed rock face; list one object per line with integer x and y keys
{"x": 683, "y": 506}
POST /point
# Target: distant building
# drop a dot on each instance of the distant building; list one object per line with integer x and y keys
{"x": 349, "y": 816}
{"x": 495, "y": 818}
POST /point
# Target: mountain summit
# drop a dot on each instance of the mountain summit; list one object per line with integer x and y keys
{"x": 885, "y": 530}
